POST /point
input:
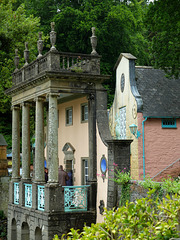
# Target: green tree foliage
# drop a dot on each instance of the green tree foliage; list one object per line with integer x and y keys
{"x": 146, "y": 219}
{"x": 43, "y": 9}
{"x": 163, "y": 21}
{"x": 119, "y": 28}
{"x": 15, "y": 30}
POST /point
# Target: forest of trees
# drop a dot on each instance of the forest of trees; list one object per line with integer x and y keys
{"x": 148, "y": 30}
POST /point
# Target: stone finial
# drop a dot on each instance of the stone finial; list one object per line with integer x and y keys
{"x": 53, "y": 36}
{"x": 40, "y": 45}
{"x": 16, "y": 59}
{"x": 93, "y": 42}
{"x": 26, "y": 54}
{"x": 52, "y": 26}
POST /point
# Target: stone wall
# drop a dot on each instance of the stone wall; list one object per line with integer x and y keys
{"x": 4, "y": 194}
{"x": 136, "y": 191}
{"x": 48, "y": 223}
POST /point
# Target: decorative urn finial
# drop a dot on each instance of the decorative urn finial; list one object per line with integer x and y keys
{"x": 16, "y": 59}
{"x": 40, "y": 45}
{"x": 53, "y": 36}
{"x": 26, "y": 54}
{"x": 93, "y": 42}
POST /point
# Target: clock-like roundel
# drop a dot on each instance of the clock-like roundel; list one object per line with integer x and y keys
{"x": 134, "y": 111}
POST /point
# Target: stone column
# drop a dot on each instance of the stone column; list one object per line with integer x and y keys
{"x": 15, "y": 142}
{"x": 53, "y": 139}
{"x": 92, "y": 170}
{"x": 25, "y": 141}
{"x": 39, "y": 140}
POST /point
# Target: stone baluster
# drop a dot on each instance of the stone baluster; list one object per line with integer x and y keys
{"x": 40, "y": 45}
{"x": 25, "y": 140}
{"x": 15, "y": 142}
{"x": 93, "y": 39}
{"x": 53, "y": 139}
{"x": 16, "y": 60}
{"x": 39, "y": 140}
{"x": 26, "y": 54}
{"x": 53, "y": 37}
{"x": 63, "y": 62}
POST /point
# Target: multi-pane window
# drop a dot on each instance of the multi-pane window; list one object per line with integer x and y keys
{"x": 69, "y": 116}
{"x": 84, "y": 171}
{"x": 168, "y": 123}
{"x": 84, "y": 112}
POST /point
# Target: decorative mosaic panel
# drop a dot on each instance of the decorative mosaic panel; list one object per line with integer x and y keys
{"x": 16, "y": 193}
{"x": 75, "y": 198}
{"x": 28, "y": 195}
{"x": 120, "y": 120}
{"x": 41, "y": 198}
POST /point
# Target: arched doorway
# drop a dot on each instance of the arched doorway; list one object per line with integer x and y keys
{"x": 69, "y": 150}
{"x": 38, "y": 234}
{"x": 14, "y": 230}
{"x": 25, "y": 231}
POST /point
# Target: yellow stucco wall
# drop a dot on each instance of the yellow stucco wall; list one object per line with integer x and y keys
{"x": 101, "y": 185}
{"x": 77, "y": 136}
{"x": 125, "y": 99}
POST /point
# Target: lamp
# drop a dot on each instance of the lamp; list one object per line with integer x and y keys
{"x": 134, "y": 131}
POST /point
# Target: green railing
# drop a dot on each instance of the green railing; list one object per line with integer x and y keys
{"x": 75, "y": 198}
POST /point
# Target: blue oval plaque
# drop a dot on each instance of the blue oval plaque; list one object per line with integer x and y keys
{"x": 103, "y": 165}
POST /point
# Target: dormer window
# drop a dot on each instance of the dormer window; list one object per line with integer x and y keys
{"x": 168, "y": 123}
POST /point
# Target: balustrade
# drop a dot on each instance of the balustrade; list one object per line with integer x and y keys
{"x": 68, "y": 62}
{"x": 75, "y": 197}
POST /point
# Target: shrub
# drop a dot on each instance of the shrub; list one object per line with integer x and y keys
{"x": 145, "y": 219}
{"x": 167, "y": 186}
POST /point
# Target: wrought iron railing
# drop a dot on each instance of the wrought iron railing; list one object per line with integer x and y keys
{"x": 41, "y": 198}
{"x": 75, "y": 198}
{"x": 16, "y": 193}
{"x": 28, "y": 195}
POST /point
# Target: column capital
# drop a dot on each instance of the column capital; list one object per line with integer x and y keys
{"x": 52, "y": 94}
{"x": 15, "y": 107}
{"x": 40, "y": 99}
{"x": 26, "y": 104}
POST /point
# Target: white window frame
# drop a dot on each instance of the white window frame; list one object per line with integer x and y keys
{"x": 84, "y": 112}
{"x": 85, "y": 170}
{"x": 69, "y": 118}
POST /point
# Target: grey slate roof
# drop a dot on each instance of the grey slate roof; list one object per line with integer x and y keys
{"x": 2, "y": 141}
{"x": 160, "y": 95}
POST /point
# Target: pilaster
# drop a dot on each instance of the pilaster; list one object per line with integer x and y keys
{"x": 92, "y": 137}
{"x": 92, "y": 181}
